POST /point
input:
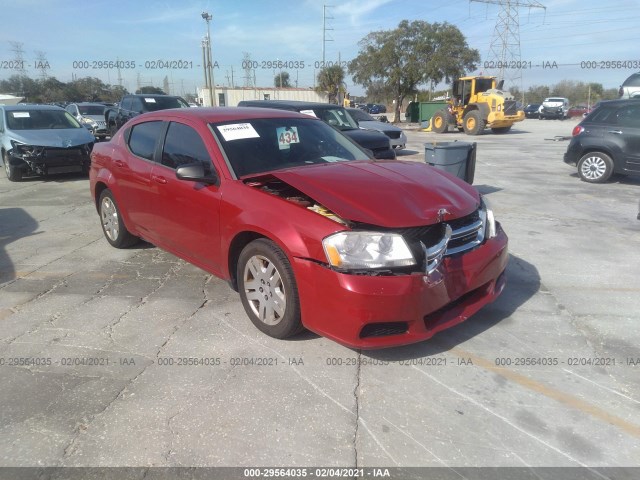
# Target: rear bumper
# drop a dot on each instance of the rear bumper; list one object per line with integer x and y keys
{"x": 363, "y": 311}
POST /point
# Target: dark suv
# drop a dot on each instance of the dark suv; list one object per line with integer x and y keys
{"x": 607, "y": 141}
{"x": 337, "y": 117}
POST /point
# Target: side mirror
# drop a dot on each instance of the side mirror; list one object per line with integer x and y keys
{"x": 194, "y": 172}
{"x": 368, "y": 152}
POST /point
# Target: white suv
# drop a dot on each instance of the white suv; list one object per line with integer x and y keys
{"x": 554, "y": 107}
{"x": 631, "y": 87}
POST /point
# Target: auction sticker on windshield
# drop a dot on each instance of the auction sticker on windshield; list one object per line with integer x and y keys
{"x": 309, "y": 112}
{"x": 237, "y": 131}
{"x": 150, "y": 100}
{"x": 20, "y": 114}
{"x": 287, "y": 136}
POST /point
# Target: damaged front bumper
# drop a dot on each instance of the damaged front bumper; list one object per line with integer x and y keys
{"x": 364, "y": 311}
{"x": 39, "y": 160}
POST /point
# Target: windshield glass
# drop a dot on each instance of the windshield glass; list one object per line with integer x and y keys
{"x": 91, "y": 109}
{"x": 263, "y": 145}
{"x": 163, "y": 103}
{"x": 336, "y": 117}
{"x": 40, "y": 120}
{"x": 361, "y": 115}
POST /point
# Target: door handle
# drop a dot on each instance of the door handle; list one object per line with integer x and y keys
{"x": 159, "y": 179}
{"x": 119, "y": 163}
{"x": 617, "y": 132}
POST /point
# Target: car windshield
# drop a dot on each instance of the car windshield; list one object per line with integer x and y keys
{"x": 163, "y": 103}
{"x": 91, "y": 109}
{"x": 554, "y": 100}
{"x": 263, "y": 145}
{"x": 336, "y": 117}
{"x": 40, "y": 120}
{"x": 361, "y": 115}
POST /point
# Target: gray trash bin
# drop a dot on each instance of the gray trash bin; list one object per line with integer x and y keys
{"x": 456, "y": 158}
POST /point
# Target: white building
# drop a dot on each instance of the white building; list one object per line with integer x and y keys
{"x": 229, "y": 97}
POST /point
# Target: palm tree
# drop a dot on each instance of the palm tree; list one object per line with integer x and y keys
{"x": 331, "y": 80}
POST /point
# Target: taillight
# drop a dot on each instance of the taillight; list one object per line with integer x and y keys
{"x": 577, "y": 130}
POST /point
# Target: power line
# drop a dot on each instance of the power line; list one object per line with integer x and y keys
{"x": 504, "y": 50}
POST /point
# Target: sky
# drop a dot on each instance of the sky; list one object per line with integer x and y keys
{"x": 580, "y": 40}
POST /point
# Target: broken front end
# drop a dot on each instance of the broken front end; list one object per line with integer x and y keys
{"x": 40, "y": 160}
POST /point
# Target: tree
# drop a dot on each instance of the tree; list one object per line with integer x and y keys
{"x": 413, "y": 54}
{"x": 281, "y": 80}
{"x": 331, "y": 80}
{"x": 149, "y": 90}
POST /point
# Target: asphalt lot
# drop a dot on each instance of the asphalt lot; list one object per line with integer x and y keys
{"x": 547, "y": 376}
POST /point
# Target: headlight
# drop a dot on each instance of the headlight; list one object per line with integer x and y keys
{"x": 356, "y": 250}
{"x": 89, "y": 121}
{"x": 488, "y": 219}
{"x": 23, "y": 150}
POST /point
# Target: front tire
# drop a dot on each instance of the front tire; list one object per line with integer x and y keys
{"x": 595, "y": 167}
{"x": 13, "y": 174}
{"x": 439, "y": 122}
{"x": 473, "y": 123}
{"x": 268, "y": 289}
{"x": 111, "y": 220}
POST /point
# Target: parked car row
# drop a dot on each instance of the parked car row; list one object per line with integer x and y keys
{"x": 378, "y": 143}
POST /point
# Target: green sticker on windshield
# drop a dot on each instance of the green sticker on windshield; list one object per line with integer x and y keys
{"x": 287, "y": 136}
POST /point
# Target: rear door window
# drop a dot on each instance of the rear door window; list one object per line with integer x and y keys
{"x": 602, "y": 115}
{"x": 144, "y": 138}
{"x": 629, "y": 116}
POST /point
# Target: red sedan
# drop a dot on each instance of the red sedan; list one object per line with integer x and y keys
{"x": 309, "y": 230}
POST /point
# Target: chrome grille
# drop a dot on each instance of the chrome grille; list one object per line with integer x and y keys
{"x": 510, "y": 107}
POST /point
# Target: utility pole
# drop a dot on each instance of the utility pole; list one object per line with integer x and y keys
{"x": 209, "y": 62}
{"x": 504, "y": 50}
{"x": 324, "y": 32}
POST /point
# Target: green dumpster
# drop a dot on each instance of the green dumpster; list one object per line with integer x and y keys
{"x": 428, "y": 109}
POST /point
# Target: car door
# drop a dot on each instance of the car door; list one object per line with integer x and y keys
{"x": 187, "y": 213}
{"x": 133, "y": 173}
{"x": 628, "y": 128}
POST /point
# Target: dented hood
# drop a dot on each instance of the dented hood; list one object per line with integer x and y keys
{"x": 384, "y": 193}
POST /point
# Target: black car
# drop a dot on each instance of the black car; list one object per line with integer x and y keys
{"x": 531, "y": 110}
{"x": 607, "y": 141}
{"x": 337, "y": 117}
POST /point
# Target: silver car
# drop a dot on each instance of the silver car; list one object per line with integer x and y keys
{"x": 91, "y": 116}
{"x": 42, "y": 139}
{"x": 396, "y": 136}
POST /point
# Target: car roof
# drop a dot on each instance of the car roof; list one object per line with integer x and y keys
{"x": 22, "y": 108}
{"x": 97, "y": 104}
{"x": 290, "y": 104}
{"x": 618, "y": 103}
{"x": 221, "y": 114}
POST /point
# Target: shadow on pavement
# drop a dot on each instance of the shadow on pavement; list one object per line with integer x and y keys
{"x": 15, "y": 223}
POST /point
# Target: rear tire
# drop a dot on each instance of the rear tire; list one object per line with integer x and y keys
{"x": 113, "y": 227}
{"x": 439, "y": 122}
{"x": 595, "y": 167}
{"x": 13, "y": 174}
{"x": 473, "y": 123}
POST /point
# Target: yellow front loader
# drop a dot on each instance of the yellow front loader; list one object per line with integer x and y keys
{"x": 478, "y": 103}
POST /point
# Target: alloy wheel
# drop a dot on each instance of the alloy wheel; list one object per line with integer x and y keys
{"x": 264, "y": 290}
